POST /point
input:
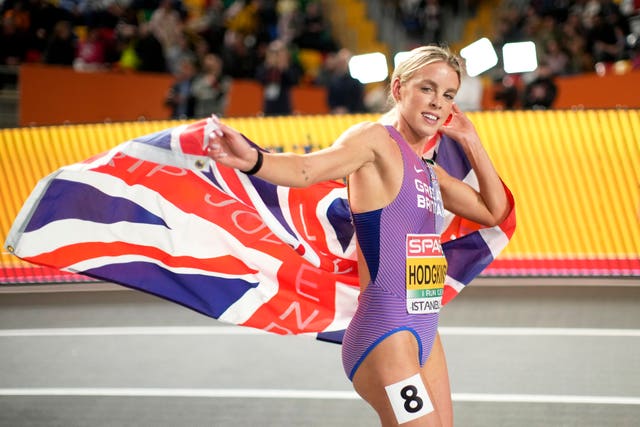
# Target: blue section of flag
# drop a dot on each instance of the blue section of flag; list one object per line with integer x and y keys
{"x": 339, "y": 217}
{"x": 269, "y": 195}
{"x": 161, "y": 139}
{"x": 205, "y": 294}
{"x": 75, "y": 200}
{"x": 467, "y": 256}
{"x": 451, "y": 158}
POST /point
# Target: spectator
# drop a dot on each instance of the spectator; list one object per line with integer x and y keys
{"x": 181, "y": 50}
{"x": 166, "y": 26}
{"x": 74, "y": 10}
{"x": 267, "y": 14}
{"x": 100, "y": 13}
{"x": 238, "y": 56}
{"x": 314, "y": 32}
{"x": 91, "y": 54}
{"x": 326, "y": 70}
{"x": 606, "y": 40}
{"x": 43, "y": 16}
{"x": 580, "y": 61}
{"x": 506, "y": 92}
{"x": 431, "y": 21}
{"x": 242, "y": 17}
{"x": 573, "y": 38}
{"x": 277, "y": 76}
{"x": 61, "y": 48}
{"x": 210, "y": 88}
{"x": 540, "y": 93}
{"x": 556, "y": 58}
{"x": 20, "y": 16}
{"x": 345, "y": 94}
{"x": 127, "y": 38}
{"x": 200, "y": 48}
{"x": 211, "y": 26}
{"x": 13, "y": 43}
{"x": 149, "y": 51}
{"x": 548, "y": 31}
{"x": 409, "y": 12}
{"x": 289, "y": 20}
{"x": 180, "y": 97}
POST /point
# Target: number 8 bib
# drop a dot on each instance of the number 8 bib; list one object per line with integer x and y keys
{"x": 409, "y": 399}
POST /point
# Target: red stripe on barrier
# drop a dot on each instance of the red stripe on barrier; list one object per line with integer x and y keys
{"x": 37, "y": 274}
{"x": 586, "y": 267}
{"x": 564, "y": 267}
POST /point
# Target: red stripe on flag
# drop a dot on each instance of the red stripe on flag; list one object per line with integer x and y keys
{"x": 71, "y": 254}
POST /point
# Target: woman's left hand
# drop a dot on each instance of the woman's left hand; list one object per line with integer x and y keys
{"x": 459, "y": 127}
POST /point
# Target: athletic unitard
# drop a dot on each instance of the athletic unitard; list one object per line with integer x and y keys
{"x": 382, "y": 235}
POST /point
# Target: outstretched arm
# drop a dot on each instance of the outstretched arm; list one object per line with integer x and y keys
{"x": 350, "y": 152}
{"x": 489, "y": 205}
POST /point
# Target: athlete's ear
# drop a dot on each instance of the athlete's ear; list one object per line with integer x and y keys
{"x": 395, "y": 89}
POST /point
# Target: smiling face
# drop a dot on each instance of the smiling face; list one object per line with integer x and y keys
{"x": 423, "y": 88}
{"x": 425, "y": 100}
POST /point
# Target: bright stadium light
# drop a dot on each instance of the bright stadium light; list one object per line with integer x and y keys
{"x": 399, "y": 57}
{"x": 369, "y": 67}
{"x": 519, "y": 57}
{"x": 479, "y": 56}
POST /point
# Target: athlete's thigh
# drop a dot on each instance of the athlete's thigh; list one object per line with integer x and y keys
{"x": 436, "y": 375}
{"x": 390, "y": 380}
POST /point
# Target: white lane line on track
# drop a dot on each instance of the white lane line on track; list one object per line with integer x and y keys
{"x": 531, "y": 331}
{"x": 305, "y": 394}
{"x": 132, "y": 331}
{"x": 235, "y": 330}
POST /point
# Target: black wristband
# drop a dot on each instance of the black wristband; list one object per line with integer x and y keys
{"x": 257, "y": 166}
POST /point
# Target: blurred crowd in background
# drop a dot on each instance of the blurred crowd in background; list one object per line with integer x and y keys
{"x": 572, "y": 37}
{"x": 207, "y": 43}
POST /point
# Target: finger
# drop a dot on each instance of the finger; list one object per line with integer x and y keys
{"x": 213, "y": 126}
{"x": 215, "y": 121}
{"x": 215, "y": 152}
{"x": 213, "y": 145}
{"x": 216, "y": 140}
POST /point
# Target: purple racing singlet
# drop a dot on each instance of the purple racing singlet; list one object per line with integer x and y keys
{"x": 401, "y": 246}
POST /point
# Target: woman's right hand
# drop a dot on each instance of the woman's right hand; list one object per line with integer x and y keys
{"x": 228, "y": 147}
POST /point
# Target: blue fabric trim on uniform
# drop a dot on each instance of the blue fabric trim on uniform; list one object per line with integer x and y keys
{"x": 367, "y": 225}
{"x": 331, "y": 336}
{"x": 379, "y": 340}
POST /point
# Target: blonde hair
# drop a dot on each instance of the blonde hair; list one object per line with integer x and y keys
{"x": 418, "y": 58}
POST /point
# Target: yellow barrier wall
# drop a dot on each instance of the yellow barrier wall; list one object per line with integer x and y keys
{"x": 575, "y": 175}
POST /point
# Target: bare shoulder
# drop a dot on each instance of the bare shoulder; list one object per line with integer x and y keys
{"x": 369, "y": 133}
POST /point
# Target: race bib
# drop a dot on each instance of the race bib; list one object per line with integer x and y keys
{"x": 409, "y": 399}
{"x": 426, "y": 270}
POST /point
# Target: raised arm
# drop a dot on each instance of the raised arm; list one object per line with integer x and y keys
{"x": 489, "y": 205}
{"x": 348, "y": 153}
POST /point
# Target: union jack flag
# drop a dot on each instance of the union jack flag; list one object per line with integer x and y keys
{"x": 156, "y": 215}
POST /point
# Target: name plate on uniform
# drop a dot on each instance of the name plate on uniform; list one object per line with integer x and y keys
{"x": 426, "y": 270}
